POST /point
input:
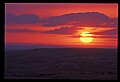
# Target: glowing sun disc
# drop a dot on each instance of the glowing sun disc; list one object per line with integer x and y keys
{"x": 86, "y": 40}
{"x": 86, "y": 37}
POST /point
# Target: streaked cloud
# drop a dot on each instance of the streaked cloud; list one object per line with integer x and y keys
{"x": 21, "y": 31}
{"x": 103, "y": 34}
{"x": 64, "y": 30}
{"x": 107, "y": 32}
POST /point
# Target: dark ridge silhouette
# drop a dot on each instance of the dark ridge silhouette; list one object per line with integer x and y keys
{"x": 14, "y": 47}
{"x": 62, "y": 63}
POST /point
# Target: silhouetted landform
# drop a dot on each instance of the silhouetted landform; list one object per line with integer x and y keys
{"x": 62, "y": 63}
{"x": 27, "y": 46}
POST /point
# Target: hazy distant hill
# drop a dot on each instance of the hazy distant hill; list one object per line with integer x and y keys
{"x": 17, "y": 47}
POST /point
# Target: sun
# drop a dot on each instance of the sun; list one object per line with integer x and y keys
{"x": 86, "y": 37}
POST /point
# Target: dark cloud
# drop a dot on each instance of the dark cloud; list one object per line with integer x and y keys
{"x": 21, "y": 31}
{"x": 64, "y": 30}
{"x": 107, "y": 32}
{"x": 104, "y": 34}
{"x": 21, "y": 19}
{"x": 113, "y": 22}
{"x": 81, "y": 19}
{"x": 75, "y": 36}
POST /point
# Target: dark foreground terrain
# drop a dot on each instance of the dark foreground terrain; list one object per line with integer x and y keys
{"x": 63, "y": 63}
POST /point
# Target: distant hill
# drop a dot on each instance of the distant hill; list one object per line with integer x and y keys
{"x": 16, "y": 47}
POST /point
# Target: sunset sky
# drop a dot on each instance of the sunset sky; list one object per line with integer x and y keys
{"x": 61, "y": 24}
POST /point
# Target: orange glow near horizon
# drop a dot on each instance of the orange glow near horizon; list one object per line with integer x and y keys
{"x": 60, "y": 40}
